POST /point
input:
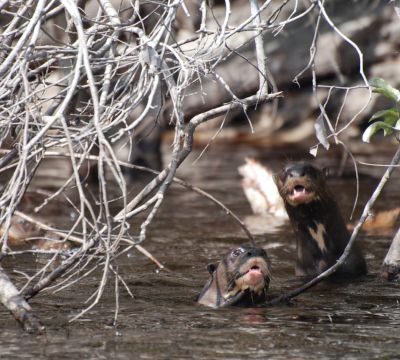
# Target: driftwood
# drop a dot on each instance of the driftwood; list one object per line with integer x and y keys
{"x": 13, "y": 301}
{"x": 391, "y": 264}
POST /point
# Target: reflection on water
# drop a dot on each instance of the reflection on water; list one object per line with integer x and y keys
{"x": 351, "y": 320}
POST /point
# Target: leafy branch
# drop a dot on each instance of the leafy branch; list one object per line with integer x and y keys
{"x": 387, "y": 120}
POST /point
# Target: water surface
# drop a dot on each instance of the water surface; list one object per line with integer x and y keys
{"x": 354, "y": 320}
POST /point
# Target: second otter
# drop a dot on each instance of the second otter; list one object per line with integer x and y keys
{"x": 241, "y": 278}
{"x": 319, "y": 227}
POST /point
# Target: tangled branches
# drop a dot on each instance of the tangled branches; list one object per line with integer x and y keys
{"x": 79, "y": 79}
{"x": 76, "y": 78}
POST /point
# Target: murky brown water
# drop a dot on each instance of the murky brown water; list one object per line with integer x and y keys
{"x": 355, "y": 320}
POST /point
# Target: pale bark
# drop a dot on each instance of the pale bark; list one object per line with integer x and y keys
{"x": 391, "y": 264}
{"x": 13, "y": 301}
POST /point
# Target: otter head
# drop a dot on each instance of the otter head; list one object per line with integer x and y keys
{"x": 301, "y": 183}
{"x": 241, "y": 278}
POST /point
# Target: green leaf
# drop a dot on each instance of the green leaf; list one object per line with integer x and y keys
{"x": 383, "y": 87}
{"x": 374, "y": 128}
{"x": 389, "y": 115}
{"x": 397, "y": 126}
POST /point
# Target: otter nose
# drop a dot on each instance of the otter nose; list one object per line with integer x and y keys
{"x": 296, "y": 171}
{"x": 255, "y": 252}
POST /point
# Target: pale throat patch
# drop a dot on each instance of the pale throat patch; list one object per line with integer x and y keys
{"x": 318, "y": 235}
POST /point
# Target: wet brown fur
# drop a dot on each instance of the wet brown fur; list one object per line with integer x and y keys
{"x": 226, "y": 285}
{"x": 24, "y": 234}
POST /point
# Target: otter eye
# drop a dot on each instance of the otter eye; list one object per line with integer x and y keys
{"x": 237, "y": 252}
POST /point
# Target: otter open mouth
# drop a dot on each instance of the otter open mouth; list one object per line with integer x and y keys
{"x": 298, "y": 192}
{"x": 254, "y": 276}
{"x": 254, "y": 269}
{"x": 300, "y": 195}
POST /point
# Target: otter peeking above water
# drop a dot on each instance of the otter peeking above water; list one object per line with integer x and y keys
{"x": 241, "y": 278}
{"x": 319, "y": 227}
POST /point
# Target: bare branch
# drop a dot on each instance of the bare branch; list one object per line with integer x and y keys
{"x": 13, "y": 301}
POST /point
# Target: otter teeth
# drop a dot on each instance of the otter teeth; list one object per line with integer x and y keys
{"x": 299, "y": 189}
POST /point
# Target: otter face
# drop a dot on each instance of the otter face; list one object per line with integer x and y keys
{"x": 19, "y": 231}
{"x": 241, "y": 278}
{"x": 300, "y": 184}
{"x": 249, "y": 268}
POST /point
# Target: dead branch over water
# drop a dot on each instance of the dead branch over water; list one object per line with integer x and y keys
{"x": 78, "y": 77}
{"x": 87, "y": 77}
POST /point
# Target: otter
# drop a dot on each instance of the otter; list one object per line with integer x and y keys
{"x": 22, "y": 233}
{"x": 241, "y": 278}
{"x": 27, "y": 229}
{"x": 320, "y": 230}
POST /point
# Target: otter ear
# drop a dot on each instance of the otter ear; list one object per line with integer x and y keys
{"x": 212, "y": 267}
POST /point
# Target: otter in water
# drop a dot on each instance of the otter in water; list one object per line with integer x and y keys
{"x": 23, "y": 233}
{"x": 241, "y": 278}
{"x": 319, "y": 227}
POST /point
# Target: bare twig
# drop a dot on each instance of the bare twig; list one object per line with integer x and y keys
{"x": 263, "y": 83}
